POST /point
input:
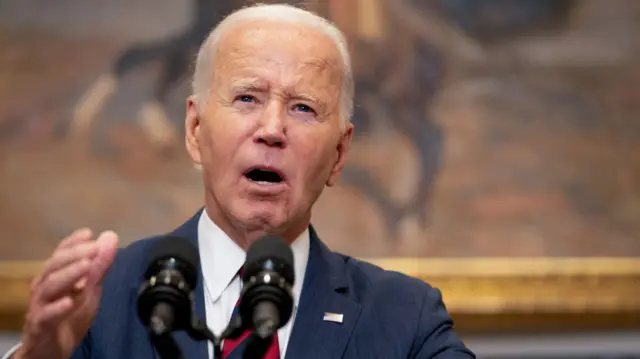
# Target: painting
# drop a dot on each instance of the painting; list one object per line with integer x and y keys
{"x": 483, "y": 128}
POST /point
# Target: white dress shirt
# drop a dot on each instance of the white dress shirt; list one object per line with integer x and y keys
{"x": 221, "y": 259}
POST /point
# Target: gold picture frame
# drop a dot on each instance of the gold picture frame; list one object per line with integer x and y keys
{"x": 484, "y": 295}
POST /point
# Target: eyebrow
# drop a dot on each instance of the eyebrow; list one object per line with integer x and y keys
{"x": 248, "y": 84}
{"x": 303, "y": 97}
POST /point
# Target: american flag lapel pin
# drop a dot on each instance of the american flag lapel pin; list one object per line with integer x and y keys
{"x": 333, "y": 317}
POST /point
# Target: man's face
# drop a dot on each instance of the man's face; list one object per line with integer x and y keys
{"x": 268, "y": 135}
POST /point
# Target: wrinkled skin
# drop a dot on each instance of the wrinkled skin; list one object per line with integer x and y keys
{"x": 274, "y": 101}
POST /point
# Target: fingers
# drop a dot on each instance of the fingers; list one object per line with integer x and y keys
{"x": 81, "y": 284}
{"x": 53, "y": 313}
{"x": 65, "y": 269}
{"x": 68, "y": 255}
{"x": 65, "y": 286}
{"x": 63, "y": 282}
{"x": 78, "y": 236}
{"x": 77, "y": 264}
{"x": 107, "y": 249}
{"x": 65, "y": 252}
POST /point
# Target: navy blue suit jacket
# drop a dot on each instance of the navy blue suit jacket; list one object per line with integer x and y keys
{"x": 386, "y": 314}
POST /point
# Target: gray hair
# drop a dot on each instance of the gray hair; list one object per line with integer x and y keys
{"x": 277, "y": 12}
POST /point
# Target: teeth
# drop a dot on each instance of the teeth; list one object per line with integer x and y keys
{"x": 264, "y": 182}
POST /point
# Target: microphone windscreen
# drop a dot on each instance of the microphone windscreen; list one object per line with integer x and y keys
{"x": 269, "y": 253}
{"x": 173, "y": 252}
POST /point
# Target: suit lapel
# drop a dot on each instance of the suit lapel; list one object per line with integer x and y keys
{"x": 192, "y": 349}
{"x": 323, "y": 291}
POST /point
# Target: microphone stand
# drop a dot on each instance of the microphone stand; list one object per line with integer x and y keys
{"x": 198, "y": 331}
{"x": 168, "y": 348}
{"x": 160, "y": 332}
{"x": 257, "y": 346}
{"x": 260, "y": 340}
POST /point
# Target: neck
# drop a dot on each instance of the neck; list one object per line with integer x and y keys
{"x": 245, "y": 234}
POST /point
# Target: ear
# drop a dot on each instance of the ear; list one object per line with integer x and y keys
{"x": 192, "y": 124}
{"x": 343, "y": 149}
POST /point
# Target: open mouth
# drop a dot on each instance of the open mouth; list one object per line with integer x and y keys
{"x": 264, "y": 176}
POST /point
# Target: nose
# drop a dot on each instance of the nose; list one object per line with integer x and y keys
{"x": 272, "y": 131}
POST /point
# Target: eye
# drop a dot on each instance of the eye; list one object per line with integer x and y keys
{"x": 303, "y": 108}
{"x": 246, "y": 98}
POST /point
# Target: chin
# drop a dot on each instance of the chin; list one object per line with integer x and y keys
{"x": 261, "y": 216}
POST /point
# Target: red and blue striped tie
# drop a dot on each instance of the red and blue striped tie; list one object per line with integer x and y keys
{"x": 232, "y": 345}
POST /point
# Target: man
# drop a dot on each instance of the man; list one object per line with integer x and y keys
{"x": 268, "y": 123}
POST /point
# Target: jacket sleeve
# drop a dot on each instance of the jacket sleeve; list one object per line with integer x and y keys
{"x": 435, "y": 338}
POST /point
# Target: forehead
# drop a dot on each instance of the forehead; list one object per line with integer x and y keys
{"x": 287, "y": 51}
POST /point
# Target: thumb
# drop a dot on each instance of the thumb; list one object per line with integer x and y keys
{"x": 107, "y": 249}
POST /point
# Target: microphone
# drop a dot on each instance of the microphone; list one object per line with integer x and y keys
{"x": 266, "y": 301}
{"x": 165, "y": 299}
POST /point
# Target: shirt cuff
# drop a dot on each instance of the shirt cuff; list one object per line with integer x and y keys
{"x": 12, "y": 351}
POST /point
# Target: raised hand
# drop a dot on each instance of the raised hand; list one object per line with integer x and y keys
{"x": 65, "y": 296}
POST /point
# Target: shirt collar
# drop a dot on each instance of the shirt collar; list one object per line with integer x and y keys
{"x": 221, "y": 258}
